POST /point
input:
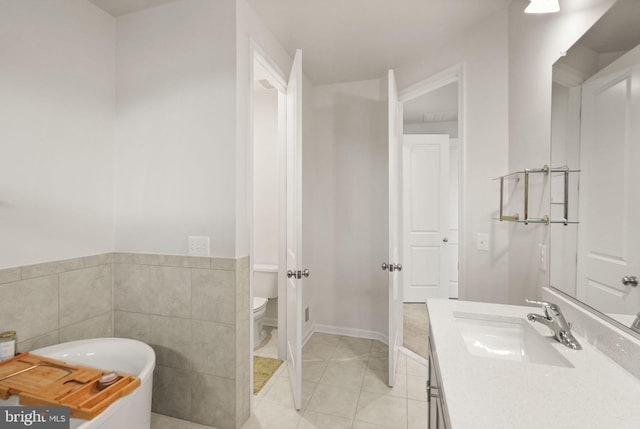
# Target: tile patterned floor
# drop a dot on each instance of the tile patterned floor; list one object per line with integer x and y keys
{"x": 344, "y": 386}
{"x": 416, "y": 329}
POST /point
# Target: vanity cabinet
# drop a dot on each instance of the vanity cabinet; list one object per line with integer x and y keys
{"x": 437, "y": 409}
{"x": 487, "y": 360}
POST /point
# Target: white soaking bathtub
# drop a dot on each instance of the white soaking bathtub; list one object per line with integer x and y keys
{"x": 132, "y": 411}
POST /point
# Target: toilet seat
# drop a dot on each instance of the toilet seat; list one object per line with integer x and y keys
{"x": 259, "y": 303}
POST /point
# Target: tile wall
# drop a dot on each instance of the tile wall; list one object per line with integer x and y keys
{"x": 193, "y": 311}
{"x": 58, "y": 301}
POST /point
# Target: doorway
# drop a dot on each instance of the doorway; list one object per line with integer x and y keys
{"x": 432, "y": 157}
{"x": 275, "y": 197}
{"x": 268, "y": 216}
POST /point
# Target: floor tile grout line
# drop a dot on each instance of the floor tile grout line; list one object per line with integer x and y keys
{"x": 353, "y": 422}
{"x": 366, "y": 359}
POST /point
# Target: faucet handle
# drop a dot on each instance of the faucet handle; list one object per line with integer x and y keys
{"x": 549, "y": 307}
{"x": 543, "y": 304}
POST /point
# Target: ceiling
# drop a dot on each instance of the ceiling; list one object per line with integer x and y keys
{"x": 122, "y": 7}
{"x": 618, "y": 30}
{"x": 349, "y": 40}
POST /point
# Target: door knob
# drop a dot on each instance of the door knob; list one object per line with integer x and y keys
{"x": 630, "y": 281}
{"x": 298, "y": 274}
{"x": 445, "y": 240}
{"x": 391, "y": 267}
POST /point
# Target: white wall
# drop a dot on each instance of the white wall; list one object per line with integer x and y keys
{"x": 175, "y": 134}
{"x": 535, "y": 43}
{"x": 347, "y": 167}
{"x": 266, "y": 177}
{"x": 483, "y": 51}
{"x": 249, "y": 28}
{"x": 56, "y": 121}
{"x": 346, "y": 210}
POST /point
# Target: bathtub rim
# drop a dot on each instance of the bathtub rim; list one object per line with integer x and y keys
{"x": 145, "y": 375}
{"x": 131, "y": 345}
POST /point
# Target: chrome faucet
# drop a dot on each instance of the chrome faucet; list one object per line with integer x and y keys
{"x": 554, "y": 320}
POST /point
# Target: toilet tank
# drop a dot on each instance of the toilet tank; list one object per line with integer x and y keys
{"x": 265, "y": 281}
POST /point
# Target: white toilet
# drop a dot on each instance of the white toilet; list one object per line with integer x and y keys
{"x": 265, "y": 287}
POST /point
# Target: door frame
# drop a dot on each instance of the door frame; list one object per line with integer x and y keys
{"x": 257, "y": 54}
{"x": 454, "y": 74}
{"x": 565, "y": 279}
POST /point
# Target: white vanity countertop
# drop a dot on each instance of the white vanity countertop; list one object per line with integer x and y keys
{"x": 482, "y": 392}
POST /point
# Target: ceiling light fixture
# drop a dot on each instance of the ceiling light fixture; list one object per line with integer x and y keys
{"x": 543, "y": 6}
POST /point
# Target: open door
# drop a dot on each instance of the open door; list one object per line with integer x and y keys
{"x": 395, "y": 233}
{"x": 294, "y": 229}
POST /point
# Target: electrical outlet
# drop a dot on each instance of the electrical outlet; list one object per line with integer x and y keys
{"x": 542, "y": 248}
{"x": 198, "y": 245}
{"x": 306, "y": 314}
{"x": 483, "y": 241}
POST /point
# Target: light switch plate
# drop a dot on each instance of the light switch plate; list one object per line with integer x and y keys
{"x": 199, "y": 245}
{"x": 483, "y": 241}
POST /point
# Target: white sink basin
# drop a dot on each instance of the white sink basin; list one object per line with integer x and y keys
{"x": 507, "y": 338}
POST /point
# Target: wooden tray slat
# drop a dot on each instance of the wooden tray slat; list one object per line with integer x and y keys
{"x": 43, "y": 381}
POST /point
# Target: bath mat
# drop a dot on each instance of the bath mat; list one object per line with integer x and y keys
{"x": 263, "y": 369}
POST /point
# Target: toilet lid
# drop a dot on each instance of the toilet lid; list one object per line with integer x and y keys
{"x": 259, "y": 302}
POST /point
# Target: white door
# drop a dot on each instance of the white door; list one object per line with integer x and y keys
{"x": 395, "y": 249}
{"x": 609, "y": 248}
{"x": 425, "y": 221}
{"x": 294, "y": 228}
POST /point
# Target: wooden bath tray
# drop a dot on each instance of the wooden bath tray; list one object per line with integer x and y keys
{"x": 39, "y": 380}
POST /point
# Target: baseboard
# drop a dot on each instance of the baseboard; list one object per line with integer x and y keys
{"x": 351, "y": 332}
{"x": 307, "y": 335}
{"x": 413, "y": 355}
{"x": 335, "y": 330}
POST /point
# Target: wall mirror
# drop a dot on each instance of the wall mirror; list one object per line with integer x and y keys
{"x": 596, "y": 129}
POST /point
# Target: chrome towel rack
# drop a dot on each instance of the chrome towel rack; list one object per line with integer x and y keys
{"x": 527, "y": 172}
